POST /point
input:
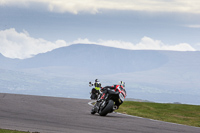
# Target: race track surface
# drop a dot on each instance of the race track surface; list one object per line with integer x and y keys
{"x": 65, "y": 115}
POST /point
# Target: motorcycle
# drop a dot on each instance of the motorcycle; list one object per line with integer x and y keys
{"x": 94, "y": 93}
{"x": 108, "y": 105}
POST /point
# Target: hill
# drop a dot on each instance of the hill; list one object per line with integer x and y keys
{"x": 95, "y": 59}
{"x": 160, "y": 76}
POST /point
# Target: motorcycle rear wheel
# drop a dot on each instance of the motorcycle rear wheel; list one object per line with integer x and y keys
{"x": 107, "y": 109}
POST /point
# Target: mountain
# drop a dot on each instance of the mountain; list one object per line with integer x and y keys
{"x": 95, "y": 59}
{"x": 161, "y": 76}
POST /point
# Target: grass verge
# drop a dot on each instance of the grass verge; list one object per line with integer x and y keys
{"x": 175, "y": 113}
{"x": 13, "y": 131}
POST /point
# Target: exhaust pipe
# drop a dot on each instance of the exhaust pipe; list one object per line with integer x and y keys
{"x": 114, "y": 107}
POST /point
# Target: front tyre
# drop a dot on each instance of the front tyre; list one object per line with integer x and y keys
{"x": 107, "y": 109}
{"x": 93, "y": 111}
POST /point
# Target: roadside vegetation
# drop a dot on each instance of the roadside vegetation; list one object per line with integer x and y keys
{"x": 14, "y": 131}
{"x": 175, "y": 113}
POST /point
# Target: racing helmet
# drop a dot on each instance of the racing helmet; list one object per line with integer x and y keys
{"x": 122, "y": 83}
{"x": 96, "y": 80}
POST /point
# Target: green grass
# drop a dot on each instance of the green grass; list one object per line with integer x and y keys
{"x": 14, "y": 131}
{"x": 175, "y": 113}
{"x": 11, "y": 131}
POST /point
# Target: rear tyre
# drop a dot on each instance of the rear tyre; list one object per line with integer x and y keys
{"x": 107, "y": 109}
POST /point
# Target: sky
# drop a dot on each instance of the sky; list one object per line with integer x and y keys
{"x": 30, "y": 27}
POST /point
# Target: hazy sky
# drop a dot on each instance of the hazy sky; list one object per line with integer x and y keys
{"x": 29, "y": 27}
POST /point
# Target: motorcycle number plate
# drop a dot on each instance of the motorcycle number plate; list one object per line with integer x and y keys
{"x": 121, "y": 96}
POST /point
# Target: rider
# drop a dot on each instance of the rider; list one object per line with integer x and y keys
{"x": 121, "y": 85}
{"x": 97, "y": 85}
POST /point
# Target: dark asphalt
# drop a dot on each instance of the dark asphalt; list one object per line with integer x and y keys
{"x": 65, "y": 115}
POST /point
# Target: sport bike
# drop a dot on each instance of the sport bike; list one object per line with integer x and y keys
{"x": 113, "y": 98}
{"x": 94, "y": 94}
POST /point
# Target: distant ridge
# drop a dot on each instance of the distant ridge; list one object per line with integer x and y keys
{"x": 101, "y": 60}
{"x": 96, "y": 59}
{"x": 136, "y": 100}
{"x": 159, "y": 76}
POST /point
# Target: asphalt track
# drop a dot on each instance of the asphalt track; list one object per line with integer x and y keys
{"x": 65, "y": 115}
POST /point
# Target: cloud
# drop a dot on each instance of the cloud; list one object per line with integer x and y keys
{"x": 146, "y": 43}
{"x": 21, "y": 45}
{"x": 193, "y": 26}
{"x": 95, "y": 6}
